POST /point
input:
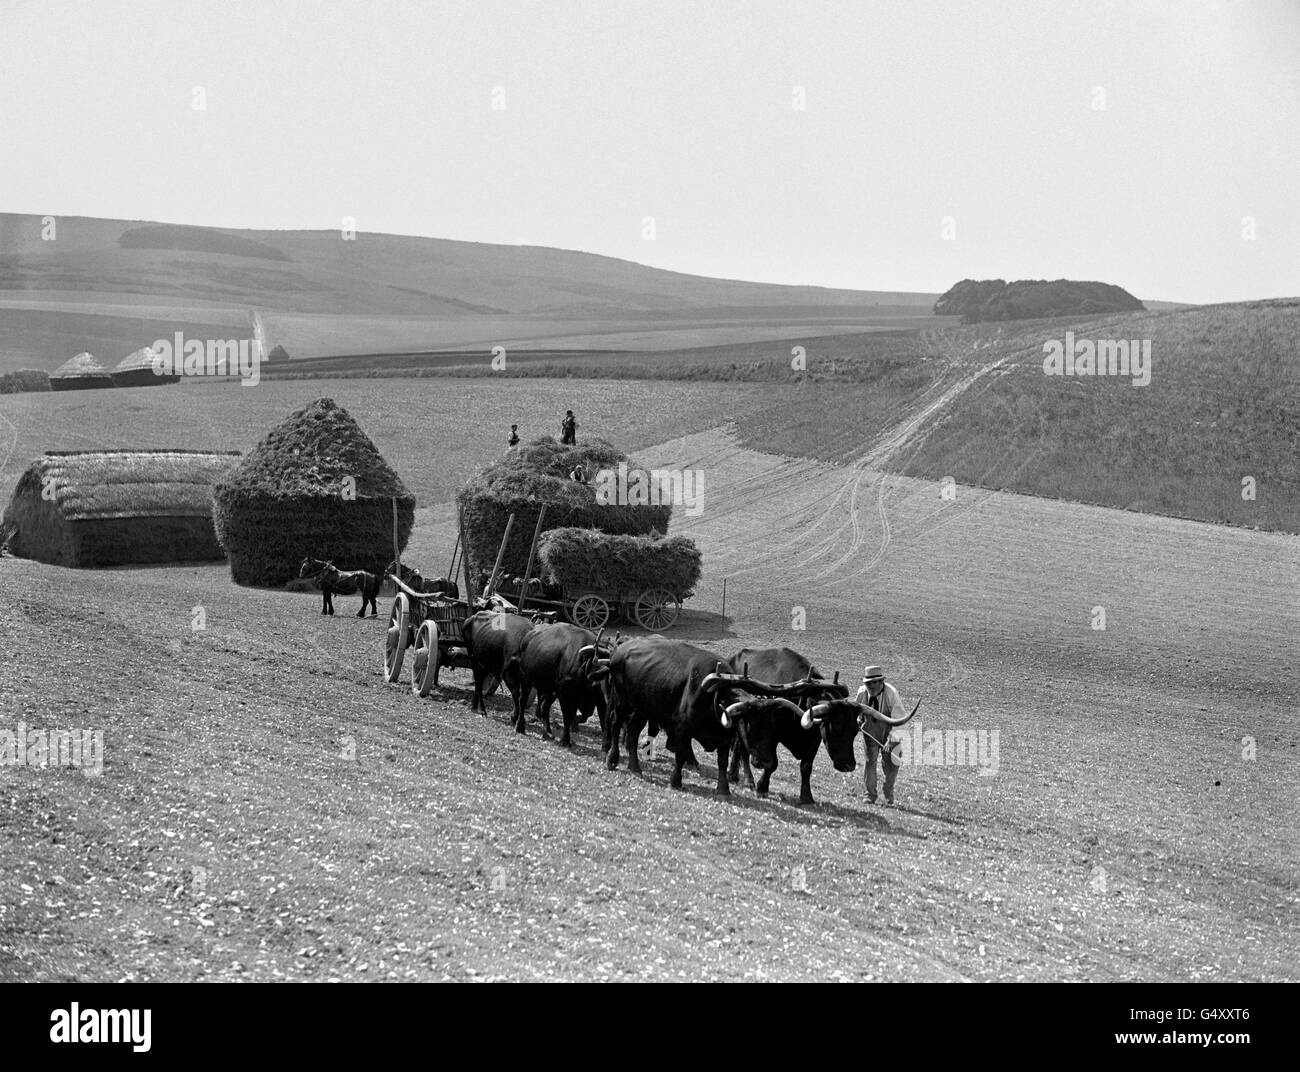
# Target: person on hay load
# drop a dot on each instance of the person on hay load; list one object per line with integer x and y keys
{"x": 513, "y": 441}
{"x": 569, "y": 430}
{"x": 578, "y": 473}
{"x": 879, "y": 737}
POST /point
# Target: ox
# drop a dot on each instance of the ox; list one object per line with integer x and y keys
{"x": 554, "y": 660}
{"x": 836, "y": 725}
{"x": 492, "y": 639}
{"x": 686, "y": 690}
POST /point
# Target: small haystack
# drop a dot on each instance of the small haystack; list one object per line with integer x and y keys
{"x": 116, "y": 507}
{"x": 82, "y": 373}
{"x": 316, "y": 487}
{"x": 539, "y": 473}
{"x": 136, "y": 370}
{"x": 581, "y": 560}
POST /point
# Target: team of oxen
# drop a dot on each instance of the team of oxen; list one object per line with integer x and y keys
{"x": 742, "y": 708}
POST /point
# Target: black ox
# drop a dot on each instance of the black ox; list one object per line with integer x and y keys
{"x": 492, "y": 640}
{"x": 802, "y": 734}
{"x": 555, "y": 660}
{"x": 694, "y": 696}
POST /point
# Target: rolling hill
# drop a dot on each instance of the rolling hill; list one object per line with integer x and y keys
{"x": 320, "y": 294}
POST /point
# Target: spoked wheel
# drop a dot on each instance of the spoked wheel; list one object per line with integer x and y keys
{"x": 424, "y": 659}
{"x": 590, "y": 612}
{"x": 656, "y": 608}
{"x": 399, "y": 621}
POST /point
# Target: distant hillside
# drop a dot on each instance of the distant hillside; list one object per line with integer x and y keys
{"x": 978, "y": 300}
{"x": 379, "y": 274}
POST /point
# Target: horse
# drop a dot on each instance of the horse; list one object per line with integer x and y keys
{"x": 329, "y": 579}
{"x": 412, "y": 578}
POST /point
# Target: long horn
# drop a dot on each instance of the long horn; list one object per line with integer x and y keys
{"x": 814, "y": 715}
{"x": 735, "y": 710}
{"x": 871, "y": 712}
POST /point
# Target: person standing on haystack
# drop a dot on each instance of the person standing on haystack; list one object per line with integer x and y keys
{"x": 569, "y": 430}
{"x": 513, "y": 441}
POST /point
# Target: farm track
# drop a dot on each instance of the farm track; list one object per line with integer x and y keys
{"x": 270, "y": 809}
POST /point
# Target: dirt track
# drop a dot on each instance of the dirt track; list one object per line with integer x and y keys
{"x": 1122, "y": 837}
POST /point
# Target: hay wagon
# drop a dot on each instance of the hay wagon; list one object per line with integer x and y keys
{"x": 430, "y": 625}
{"x": 642, "y": 578}
{"x": 651, "y": 608}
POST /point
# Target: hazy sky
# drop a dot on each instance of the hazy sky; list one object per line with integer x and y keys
{"x": 988, "y": 113}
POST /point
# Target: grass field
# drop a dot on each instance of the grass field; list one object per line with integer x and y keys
{"x": 269, "y": 809}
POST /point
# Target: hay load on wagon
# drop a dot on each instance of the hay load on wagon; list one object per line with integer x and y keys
{"x": 315, "y": 486}
{"x": 116, "y": 507}
{"x": 80, "y": 373}
{"x": 537, "y": 475}
{"x": 646, "y": 577}
{"x": 596, "y": 556}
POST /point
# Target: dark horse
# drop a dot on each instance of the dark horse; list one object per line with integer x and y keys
{"x": 330, "y": 580}
{"x": 412, "y": 578}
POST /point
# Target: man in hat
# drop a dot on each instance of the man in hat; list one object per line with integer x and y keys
{"x": 569, "y": 429}
{"x": 879, "y": 736}
{"x": 513, "y": 441}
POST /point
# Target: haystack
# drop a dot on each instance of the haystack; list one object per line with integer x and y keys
{"x": 116, "y": 507}
{"x": 316, "y": 487}
{"x": 581, "y": 560}
{"x": 538, "y": 474}
{"x": 81, "y": 373}
{"x": 136, "y": 370}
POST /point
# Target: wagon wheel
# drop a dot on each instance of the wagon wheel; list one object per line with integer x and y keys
{"x": 590, "y": 612}
{"x": 657, "y": 608}
{"x": 424, "y": 658}
{"x": 399, "y": 621}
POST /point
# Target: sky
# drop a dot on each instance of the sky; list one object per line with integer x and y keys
{"x": 884, "y": 146}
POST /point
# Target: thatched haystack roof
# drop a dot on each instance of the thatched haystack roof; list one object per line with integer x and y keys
{"x": 80, "y": 373}
{"x": 315, "y": 486}
{"x": 583, "y": 560}
{"x": 538, "y": 474}
{"x": 136, "y": 370}
{"x": 116, "y": 507}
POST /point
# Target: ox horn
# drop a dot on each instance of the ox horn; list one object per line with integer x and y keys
{"x": 733, "y": 712}
{"x": 871, "y": 712}
{"x": 814, "y": 715}
{"x": 713, "y": 682}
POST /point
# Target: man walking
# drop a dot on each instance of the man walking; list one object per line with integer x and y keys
{"x": 878, "y": 736}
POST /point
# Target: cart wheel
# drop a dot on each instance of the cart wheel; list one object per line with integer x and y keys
{"x": 399, "y": 621}
{"x": 424, "y": 659}
{"x": 657, "y": 608}
{"x": 590, "y": 612}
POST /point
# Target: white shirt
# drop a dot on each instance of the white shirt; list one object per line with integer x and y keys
{"x": 888, "y": 702}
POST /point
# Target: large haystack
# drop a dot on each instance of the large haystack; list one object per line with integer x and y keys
{"x": 81, "y": 373}
{"x": 538, "y": 473}
{"x": 317, "y": 487}
{"x": 116, "y": 507}
{"x": 136, "y": 370}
